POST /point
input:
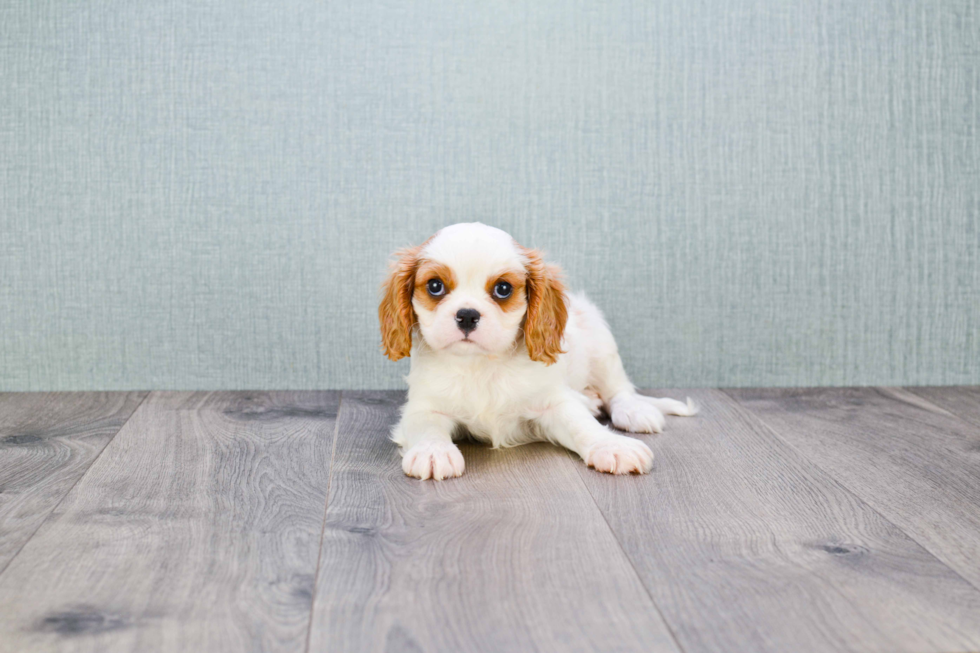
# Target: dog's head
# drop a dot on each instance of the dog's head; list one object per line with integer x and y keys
{"x": 472, "y": 290}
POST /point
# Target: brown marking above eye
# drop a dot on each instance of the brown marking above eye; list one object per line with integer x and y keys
{"x": 428, "y": 271}
{"x": 516, "y": 299}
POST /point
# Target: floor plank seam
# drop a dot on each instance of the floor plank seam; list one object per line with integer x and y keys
{"x": 77, "y": 480}
{"x": 915, "y": 400}
{"x": 575, "y": 460}
{"x": 847, "y": 489}
{"x": 323, "y": 523}
{"x": 969, "y": 422}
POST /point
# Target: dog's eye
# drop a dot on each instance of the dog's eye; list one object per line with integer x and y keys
{"x": 502, "y": 290}
{"x": 436, "y": 287}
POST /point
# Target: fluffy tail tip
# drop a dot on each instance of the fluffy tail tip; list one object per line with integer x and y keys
{"x": 692, "y": 408}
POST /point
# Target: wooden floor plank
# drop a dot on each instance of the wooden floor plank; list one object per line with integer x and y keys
{"x": 747, "y": 546}
{"x": 962, "y": 401}
{"x": 197, "y": 529}
{"x": 512, "y": 556}
{"x": 915, "y": 463}
{"x": 47, "y": 441}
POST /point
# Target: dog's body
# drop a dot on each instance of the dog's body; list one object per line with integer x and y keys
{"x": 501, "y": 351}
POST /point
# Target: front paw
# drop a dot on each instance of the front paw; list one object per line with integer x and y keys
{"x": 435, "y": 459}
{"x": 620, "y": 455}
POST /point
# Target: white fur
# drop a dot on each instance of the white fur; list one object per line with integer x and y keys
{"x": 493, "y": 389}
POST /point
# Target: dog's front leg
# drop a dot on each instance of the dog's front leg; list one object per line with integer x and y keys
{"x": 568, "y": 422}
{"x": 426, "y": 440}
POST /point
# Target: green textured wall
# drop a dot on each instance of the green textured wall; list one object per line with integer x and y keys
{"x": 202, "y": 195}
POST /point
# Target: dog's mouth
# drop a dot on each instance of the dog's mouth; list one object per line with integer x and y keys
{"x": 467, "y": 342}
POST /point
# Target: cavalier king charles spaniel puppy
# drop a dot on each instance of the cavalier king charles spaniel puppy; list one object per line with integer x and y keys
{"x": 501, "y": 352}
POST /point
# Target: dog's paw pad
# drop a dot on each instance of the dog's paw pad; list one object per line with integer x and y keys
{"x": 632, "y": 413}
{"x": 435, "y": 459}
{"x": 620, "y": 455}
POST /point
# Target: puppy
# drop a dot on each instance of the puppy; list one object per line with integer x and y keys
{"x": 499, "y": 350}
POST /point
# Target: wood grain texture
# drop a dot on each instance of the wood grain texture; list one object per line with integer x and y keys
{"x": 47, "y": 441}
{"x": 962, "y": 401}
{"x": 912, "y": 461}
{"x": 196, "y": 530}
{"x": 747, "y": 546}
{"x": 512, "y": 556}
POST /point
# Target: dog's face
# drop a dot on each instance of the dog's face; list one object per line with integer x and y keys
{"x": 471, "y": 290}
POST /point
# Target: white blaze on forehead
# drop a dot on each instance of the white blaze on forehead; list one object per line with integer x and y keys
{"x": 474, "y": 251}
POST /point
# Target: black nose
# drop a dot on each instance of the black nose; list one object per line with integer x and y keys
{"x": 466, "y": 319}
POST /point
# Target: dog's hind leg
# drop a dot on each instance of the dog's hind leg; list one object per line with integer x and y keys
{"x": 629, "y": 410}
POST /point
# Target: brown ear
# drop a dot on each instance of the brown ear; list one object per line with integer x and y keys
{"x": 547, "y": 312}
{"x": 395, "y": 311}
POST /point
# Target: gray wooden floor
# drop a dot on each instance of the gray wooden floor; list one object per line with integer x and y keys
{"x": 776, "y": 520}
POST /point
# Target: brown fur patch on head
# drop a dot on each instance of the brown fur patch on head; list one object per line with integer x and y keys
{"x": 547, "y": 310}
{"x": 395, "y": 311}
{"x": 429, "y": 270}
{"x": 516, "y": 300}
